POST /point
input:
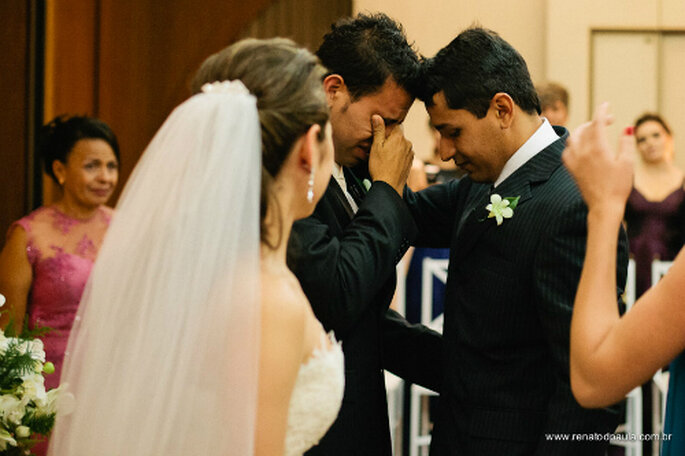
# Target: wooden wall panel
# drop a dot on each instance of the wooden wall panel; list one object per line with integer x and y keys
{"x": 70, "y": 51}
{"x": 71, "y": 31}
{"x": 303, "y": 21}
{"x": 148, "y": 54}
{"x": 14, "y": 74}
{"x": 130, "y": 62}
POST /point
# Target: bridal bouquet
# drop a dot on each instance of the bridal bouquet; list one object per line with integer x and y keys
{"x": 26, "y": 409}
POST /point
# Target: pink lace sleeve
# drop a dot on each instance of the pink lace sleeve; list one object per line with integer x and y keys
{"x": 32, "y": 252}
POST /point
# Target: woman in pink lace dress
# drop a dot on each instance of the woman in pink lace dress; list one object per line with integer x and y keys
{"x": 49, "y": 253}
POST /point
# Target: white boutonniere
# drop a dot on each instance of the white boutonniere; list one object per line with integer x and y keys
{"x": 501, "y": 208}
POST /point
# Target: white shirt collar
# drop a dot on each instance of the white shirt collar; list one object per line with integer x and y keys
{"x": 543, "y": 137}
{"x": 339, "y": 176}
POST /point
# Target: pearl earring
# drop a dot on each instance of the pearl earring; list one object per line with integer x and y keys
{"x": 310, "y": 190}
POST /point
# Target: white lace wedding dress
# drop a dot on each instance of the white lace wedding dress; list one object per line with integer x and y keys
{"x": 316, "y": 398}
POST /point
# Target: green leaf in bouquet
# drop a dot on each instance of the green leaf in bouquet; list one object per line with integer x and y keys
{"x": 14, "y": 451}
{"x": 10, "y": 331}
{"x": 39, "y": 423}
{"x": 36, "y": 333}
{"x": 26, "y": 333}
{"x": 14, "y": 363}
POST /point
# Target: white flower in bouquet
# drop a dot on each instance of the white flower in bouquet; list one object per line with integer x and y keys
{"x": 6, "y": 438}
{"x": 12, "y": 409}
{"x": 34, "y": 389}
{"x": 22, "y": 432}
{"x": 27, "y": 410}
{"x": 35, "y": 348}
{"x": 55, "y": 399}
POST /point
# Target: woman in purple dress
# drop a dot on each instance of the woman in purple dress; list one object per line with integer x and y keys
{"x": 48, "y": 254}
{"x": 653, "y": 215}
{"x": 655, "y": 205}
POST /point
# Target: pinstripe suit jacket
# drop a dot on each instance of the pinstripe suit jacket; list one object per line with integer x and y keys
{"x": 345, "y": 263}
{"x": 508, "y": 307}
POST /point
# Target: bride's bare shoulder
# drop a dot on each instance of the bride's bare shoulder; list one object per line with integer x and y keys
{"x": 283, "y": 298}
{"x": 286, "y": 310}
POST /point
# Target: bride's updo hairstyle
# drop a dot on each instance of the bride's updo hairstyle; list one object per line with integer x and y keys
{"x": 287, "y": 82}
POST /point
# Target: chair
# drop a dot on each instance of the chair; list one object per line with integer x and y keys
{"x": 660, "y": 379}
{"x": 633, "y": 423}
{"x": 419, "y": 424}
{"x": 394, "y": 385}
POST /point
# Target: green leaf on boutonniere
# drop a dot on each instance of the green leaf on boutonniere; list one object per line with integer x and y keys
{"x": 513, "y": 201}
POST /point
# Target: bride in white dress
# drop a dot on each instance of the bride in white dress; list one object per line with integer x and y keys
{"x": 193, "y": 337}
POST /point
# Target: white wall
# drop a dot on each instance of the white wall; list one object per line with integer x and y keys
{"x": 569, "y": 30}
{"x": 554, "y": 36}
{"x": 569, "y": 58}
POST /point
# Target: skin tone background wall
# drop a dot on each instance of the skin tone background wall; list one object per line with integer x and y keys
{"x": 555, "y": 38}
{"x": 114, "y": 59}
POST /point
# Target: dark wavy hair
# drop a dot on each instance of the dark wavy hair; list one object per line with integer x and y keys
{"x": 58, "y": 137}
{"x": 367, "y": 49}
{"x": 475, "y": 66}
{"x": 652, "y": 117}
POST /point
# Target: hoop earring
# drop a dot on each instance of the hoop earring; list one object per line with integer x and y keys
{"x": 310, "y": 189}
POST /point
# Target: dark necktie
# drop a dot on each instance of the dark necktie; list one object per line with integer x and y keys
{"x": 354, "y": 187}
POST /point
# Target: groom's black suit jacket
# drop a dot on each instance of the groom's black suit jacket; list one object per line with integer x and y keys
{"x": 345, "y": 263}
{"x": 508, "y": 305}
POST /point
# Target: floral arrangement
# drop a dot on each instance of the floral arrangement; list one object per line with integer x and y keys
{"x": 27, "y": 411}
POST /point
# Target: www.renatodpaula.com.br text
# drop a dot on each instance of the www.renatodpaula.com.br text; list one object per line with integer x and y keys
{"x": 608, "y": 437}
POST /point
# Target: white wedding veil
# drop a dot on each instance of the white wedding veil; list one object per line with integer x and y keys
{"x": 164, "y": 353}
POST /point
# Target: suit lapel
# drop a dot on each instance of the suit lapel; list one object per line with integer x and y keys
{"x": 471, "y": 225}
{"x": 478, "y": 196}
{"x": 520, "y": 183}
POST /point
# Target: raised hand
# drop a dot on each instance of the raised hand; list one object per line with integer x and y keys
{"x": 604, "y": 177}
{"x": 390, "y": 158}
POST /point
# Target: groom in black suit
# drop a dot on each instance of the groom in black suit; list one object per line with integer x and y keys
{"x": 344, "y": 255}
{"x": 516, "y": 227}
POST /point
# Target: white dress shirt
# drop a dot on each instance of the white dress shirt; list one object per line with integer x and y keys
{"x": 543, "y": 137}
{"x": 340, "y": 179}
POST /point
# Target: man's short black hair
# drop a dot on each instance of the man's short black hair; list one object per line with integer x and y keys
{"x": 367, "y": 49}
{"x": 475, "y": 66}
